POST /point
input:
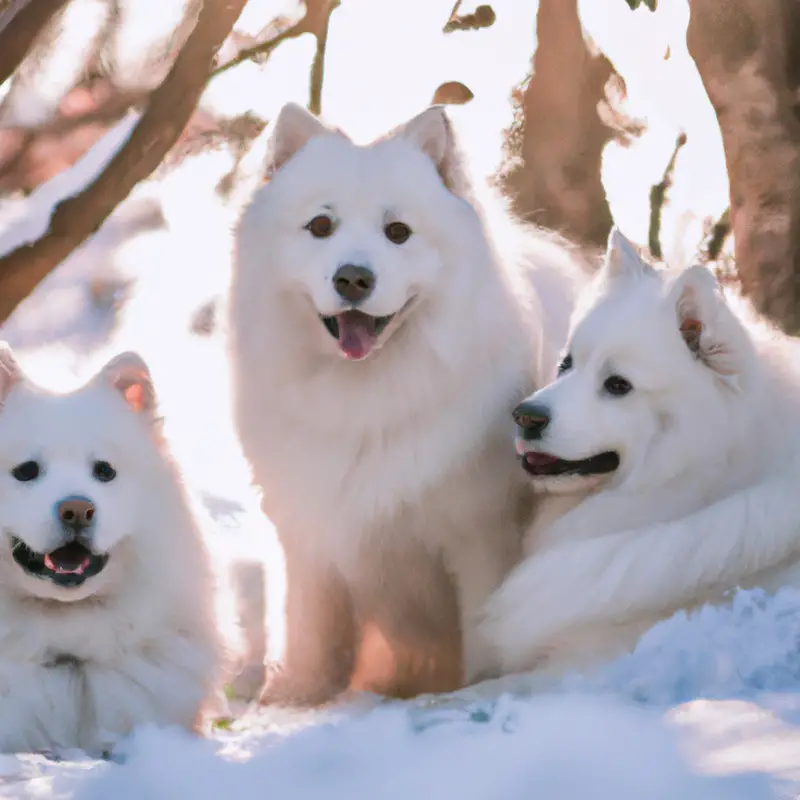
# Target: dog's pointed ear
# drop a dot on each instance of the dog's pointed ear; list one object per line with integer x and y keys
{"x": 706, "y": 324}
{"x": 128, "y": 374}
{"x": 293, "y": 127}
{"x": 432, "y": 132}
{"x": 622, "y": 259}
{"x": 10, "y": 372}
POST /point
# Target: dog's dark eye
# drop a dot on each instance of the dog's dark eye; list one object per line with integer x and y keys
{"x": 26, "y": 471}
{"x": 397, "y": 232}
{"x": 617, "y": 385}
{"x": 566, "y": 364}
{"x": 103, "y": 471}
{"x": 321, "y": 227}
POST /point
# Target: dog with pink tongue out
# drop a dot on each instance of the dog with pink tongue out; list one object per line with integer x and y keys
{"x": 385, "y": 316}
{"x": 109, "y": 618}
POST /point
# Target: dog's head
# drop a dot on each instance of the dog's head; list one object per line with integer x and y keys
{"x": 74, "y": 478}
{"x": 353, "y": 236}
{"x": 653, "y": 363}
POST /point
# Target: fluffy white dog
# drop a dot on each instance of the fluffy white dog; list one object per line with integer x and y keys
{"x": 384, "y": 321}
{"x": 669, "y": 452}
{"x": 107, "y": 605}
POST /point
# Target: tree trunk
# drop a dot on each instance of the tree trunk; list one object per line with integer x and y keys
{"x": 556, "y": 182}
{"x": 748, "y": 55}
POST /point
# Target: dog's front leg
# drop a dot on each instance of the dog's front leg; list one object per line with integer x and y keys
{"x": 411, "y": 634}
{"x": 314, "y": 658}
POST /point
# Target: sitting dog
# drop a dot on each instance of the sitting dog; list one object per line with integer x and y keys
{"x": 108, "y": 617}
{"x": 384, "y": 319}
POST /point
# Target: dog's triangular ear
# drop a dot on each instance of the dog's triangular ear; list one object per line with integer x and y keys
{"x": 128, "y": 374}
{"x": 432, "y": 132}
{"x": 706, "y": 324}
{"x": 10, "y": 372}
{"x": 622, "y": 260}
{"x": 293, "y": 127}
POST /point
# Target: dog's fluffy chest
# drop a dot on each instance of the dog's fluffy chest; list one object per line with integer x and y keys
{"x": 352, "y": 484}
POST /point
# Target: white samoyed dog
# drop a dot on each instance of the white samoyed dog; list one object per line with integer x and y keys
{"x": 668, "y": 452}
{"x": 384, "y": 321}
{"x": 108, "y": 617}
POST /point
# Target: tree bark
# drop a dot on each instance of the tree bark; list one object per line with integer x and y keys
{"x": 557, "y": 181}
{"x": 168, "y": 112}
{"x": 20, "y": 23}
{"x": 748, "y": 55}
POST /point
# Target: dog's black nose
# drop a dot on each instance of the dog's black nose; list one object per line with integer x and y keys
{"x": 533, "y": 418}
{"x": 75, "y": 513}
{"x": 354, "y": 283}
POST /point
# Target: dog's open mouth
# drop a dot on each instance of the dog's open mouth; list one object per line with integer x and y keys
{"x": 68, "y": 566}
{"x": 356, "y": 332}
{"x": 544, "y": 465}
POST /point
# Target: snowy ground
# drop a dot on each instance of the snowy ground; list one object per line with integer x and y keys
{"x": 707, "y": 707}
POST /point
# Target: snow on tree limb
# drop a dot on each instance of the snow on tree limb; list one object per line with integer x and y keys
{"x": 20, "y": 23}
{"x": 169, "y": 110}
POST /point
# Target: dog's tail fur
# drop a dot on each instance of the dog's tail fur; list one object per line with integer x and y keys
{"x": 576, "y": 589}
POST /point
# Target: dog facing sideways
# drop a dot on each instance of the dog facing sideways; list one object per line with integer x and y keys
{"x": 668, "y": 454}
{"x": 384, "y": 320}
{"x": 108, "y": 617}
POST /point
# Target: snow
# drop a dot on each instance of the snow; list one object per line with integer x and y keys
{"x": 706, "y": 707}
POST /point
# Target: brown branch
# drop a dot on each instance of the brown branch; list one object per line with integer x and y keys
{"x": 658, "y": 199}
{"x": 19, "y": 29}
{"x": 482, "y": 17}
{"x": 315, "y": 21}
{"x": 264, "y": 47}
{"x": 170, "y": 109}
{"x": 711, "y": 247}
{"x": 317, "y": 76}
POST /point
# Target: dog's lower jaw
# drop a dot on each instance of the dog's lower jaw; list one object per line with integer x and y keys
{"x": 568, "y": 484}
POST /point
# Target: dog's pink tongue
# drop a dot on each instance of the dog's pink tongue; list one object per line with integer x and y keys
{"x": 64, "y": 563}
{"x": 540, "y": 459}
{"x": 356, "y": 334}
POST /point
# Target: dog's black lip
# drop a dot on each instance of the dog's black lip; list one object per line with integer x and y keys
{"x": 332, "y": 324}
{"x": 599, "y": 464}
{"x": 32, "y": 563}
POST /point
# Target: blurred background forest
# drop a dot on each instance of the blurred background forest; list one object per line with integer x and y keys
{"x": 583, "y": 112}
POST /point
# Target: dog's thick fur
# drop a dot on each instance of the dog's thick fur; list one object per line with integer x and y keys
{"x": 705, "y": 498}
{"x": 82, "y": 665}
{"x": 398, "y": 503}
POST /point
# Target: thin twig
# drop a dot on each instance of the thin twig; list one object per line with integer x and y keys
{"x": 318, "y": 65}
{"x": 482, "y": 17}
{"x": 658, "y": 197}
{"x": 315, "y": 21}
{"x": 711, "y": 248}
{"x": 168, "y": 112}
{"x": 452, "y": 16}
{"x": 265, "y": 48}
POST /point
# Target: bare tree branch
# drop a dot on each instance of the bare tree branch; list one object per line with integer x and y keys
{"x": 168, "y": 112}
{"x": 482, "y": 17}
{"x": 314, "y": 20}
{"x": 658, "y": 199}
{"x": 20, "y": 24}
{"x": 318, "y": 65}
